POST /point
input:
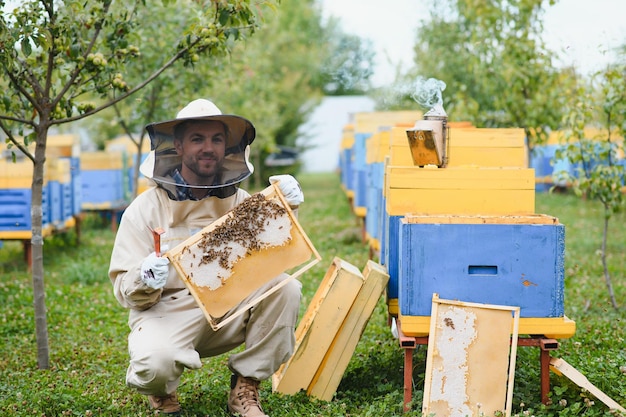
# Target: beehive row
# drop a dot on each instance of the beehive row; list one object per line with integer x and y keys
{"x": 74, "y": 182}
{"x": 467, "y": 230}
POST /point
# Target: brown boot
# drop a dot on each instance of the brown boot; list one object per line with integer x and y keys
{"x": 244, "y": 397}
{"x": 167, "y": 405}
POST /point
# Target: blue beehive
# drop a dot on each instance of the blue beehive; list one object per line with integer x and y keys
{"x": 104, "y": 180}
{"x": 16, "y": 180}
{"x": 518, "y": 264}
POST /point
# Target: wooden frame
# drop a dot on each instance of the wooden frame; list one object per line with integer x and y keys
{"x": 466, "y": 366}
{"x": 249, "y": 272}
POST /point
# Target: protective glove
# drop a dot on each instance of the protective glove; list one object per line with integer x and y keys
{"x": 290, "y": 188}
{"x": 154, "y": 271}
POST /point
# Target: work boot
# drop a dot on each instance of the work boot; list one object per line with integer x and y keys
{"x": 244, "y": 397}
{"x": 167, "y": 405}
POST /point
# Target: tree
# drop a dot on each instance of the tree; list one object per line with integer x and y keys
{"x": 269, "y": 78}
{"x": 599, "y": 174}
{"x": 349, "y": 65}
{"x": 497, "y": 70}
{"x": 65, "y": 61}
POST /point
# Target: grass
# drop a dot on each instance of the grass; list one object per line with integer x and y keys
{"x": 88, "y": 328}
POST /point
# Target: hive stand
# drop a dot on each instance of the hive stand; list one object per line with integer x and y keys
{"x": 410, "y": 343}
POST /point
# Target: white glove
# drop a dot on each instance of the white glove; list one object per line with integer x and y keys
{"x": 154, "y": 271}
{"x": 290, "y": 188}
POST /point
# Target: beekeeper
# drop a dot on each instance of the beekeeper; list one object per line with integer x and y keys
{"x": 197, "y": 162}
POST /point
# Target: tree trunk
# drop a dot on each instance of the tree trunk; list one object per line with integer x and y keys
{"x": 39, "y": 293}
{"x": 607, "y": 276}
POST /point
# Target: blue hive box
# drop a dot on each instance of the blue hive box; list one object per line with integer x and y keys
{"x": 503, "y": 260}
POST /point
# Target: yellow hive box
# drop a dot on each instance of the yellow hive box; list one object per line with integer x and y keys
{"x": 347, "y": 138}
{"x": 370, "y": 122}
{"x": 19, "y": 174}
{"x": 469, "y": 147}
{"x": 101, "y": 160}
{"x": 63, "y": 145}
{"x": 469, "y": 190}
{"x": 235, "y": 255}
{"x": 499, "y": 147}
{"x": 378, "y": 146}
{"x": 59, "y": 170}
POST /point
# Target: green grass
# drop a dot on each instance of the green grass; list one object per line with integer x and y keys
{"x": 88, "y": 328}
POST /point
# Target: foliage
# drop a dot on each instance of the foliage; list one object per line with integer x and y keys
{"x": 59, "y": 56}
{"x": 89, "y": 330}
{"x": 498, "y": 72}
{"x": 600, "y": 165}
{"x": 349, "y": 64}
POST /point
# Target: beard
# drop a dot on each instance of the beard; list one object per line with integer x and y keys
{"x": 204, "y": 168}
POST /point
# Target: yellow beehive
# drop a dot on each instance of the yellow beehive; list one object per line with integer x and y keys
{"x": 235, "y": 255}
{"x": 59, "y": 170}
{"x": 101, "y": 160}
{"x": 470, "y": 146}
{"x": 370, "y": 122}
{"x": 378, "y": 146}
{"x": 347, "y": 138}
{"x": 19, "y": 174}
{"x": 463, "y": 190}
{"x": 63, "y": 145}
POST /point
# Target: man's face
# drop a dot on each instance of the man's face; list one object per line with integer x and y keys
{"x": 202, "y": 148}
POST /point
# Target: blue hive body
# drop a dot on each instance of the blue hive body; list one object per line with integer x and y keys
{"x": 507, "y": 264}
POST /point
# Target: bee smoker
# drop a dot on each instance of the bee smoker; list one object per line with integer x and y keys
{"x": 428, "y": 139}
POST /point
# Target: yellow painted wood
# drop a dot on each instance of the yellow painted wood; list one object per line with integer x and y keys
{"x": 347, "y": 138}
{"x": 330, "y": 372}
{"x": 63, "y": 145}
{"x": 399, "y": 151}
{"x": 25, "y": 234}
{"x": 360, "y": 212}
{"x": 377, "y": 146}
{"x": 470, "y": 146}
{"x": 371, "y": 148}
{"x": 319, "y": 326}
{"x": 19, "y": 174}
{"x": 401, "y": 202}
{"x": 490, "y": 191}
{"x": 125, "y": 144}
{"x": 392, "y": 307}
{"x": 370, "y": 122}
{"x": 551, "y": 327}
{"x": 479, "y": 219}
{"x": 373, "y": 243}
{"x": 101, "y": 160}
{"x": 57, "y": 146}
{"x": 59, "y": 170}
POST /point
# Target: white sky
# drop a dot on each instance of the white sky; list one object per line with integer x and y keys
{"x": 583, "y": 29}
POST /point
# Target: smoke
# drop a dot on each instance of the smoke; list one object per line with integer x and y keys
{"x": 428, "y": 93}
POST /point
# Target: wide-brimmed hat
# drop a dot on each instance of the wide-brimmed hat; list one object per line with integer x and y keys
{"x": 241, "y": 131}
{"x": 163, "y": 157}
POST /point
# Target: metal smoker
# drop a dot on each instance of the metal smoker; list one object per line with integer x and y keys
{"x": 429, "y": 138}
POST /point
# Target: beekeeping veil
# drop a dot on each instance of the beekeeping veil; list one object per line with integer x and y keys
{"x": 163, "y": 158}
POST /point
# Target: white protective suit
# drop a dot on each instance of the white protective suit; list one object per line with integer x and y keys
{"x": 169, "y": 332}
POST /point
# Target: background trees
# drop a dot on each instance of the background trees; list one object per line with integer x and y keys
{"x": 64, "y": 61}
{"x": 498, "y": 71}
